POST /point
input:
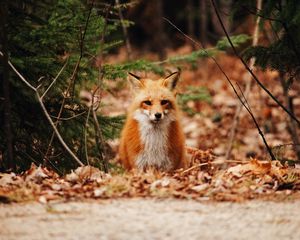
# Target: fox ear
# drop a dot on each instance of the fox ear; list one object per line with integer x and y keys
{"x": 171, "y": 80}
{"x": 134, "y": 81}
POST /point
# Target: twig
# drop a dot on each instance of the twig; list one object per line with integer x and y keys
{"x": 214, "y": 162}
{"x": 248, "y": 69}
{"x": 236, "y": 118}
{"x": 46, "y": 114}
{"x": 19, "y": 75}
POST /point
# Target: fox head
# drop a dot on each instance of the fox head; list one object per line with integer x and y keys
{"x": 154, "y": 100}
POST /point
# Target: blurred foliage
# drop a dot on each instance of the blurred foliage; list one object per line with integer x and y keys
{"x": 237, "y": 41}
{"x": 280, "y": 19}
{"x": 113, "y": 71}
{"x": 193, "y": 94}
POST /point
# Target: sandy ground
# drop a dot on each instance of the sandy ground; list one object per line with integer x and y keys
{"x": 151, "y": 219}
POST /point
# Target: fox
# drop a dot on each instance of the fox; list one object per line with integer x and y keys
{"x": 152, "y": 136}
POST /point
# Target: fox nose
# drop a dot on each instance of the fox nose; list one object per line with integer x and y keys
{"x": 157, "y": 116}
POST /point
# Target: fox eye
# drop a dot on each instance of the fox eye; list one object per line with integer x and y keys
{"x": 147, "y": 102}
{"x": 164, "y": 102}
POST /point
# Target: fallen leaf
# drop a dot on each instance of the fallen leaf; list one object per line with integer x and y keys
{"x": 200, "y": 188}
{"x": 36, "y": 174}
{"x": 86, "y": 173}
{"x": 254, "y": 166}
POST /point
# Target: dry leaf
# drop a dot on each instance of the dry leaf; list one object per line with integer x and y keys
{"x": 9, "y": 179}
{"x": 36, "y": 174}
{"x": 254, "y": 166}
{"x": 98, "y": 192}
{"x": 86, "y": 173}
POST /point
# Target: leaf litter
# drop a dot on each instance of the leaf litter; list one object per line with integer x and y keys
{"x": 206, "y": 179}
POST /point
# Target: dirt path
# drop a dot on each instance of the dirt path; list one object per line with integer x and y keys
{"x": 151, "y": 219}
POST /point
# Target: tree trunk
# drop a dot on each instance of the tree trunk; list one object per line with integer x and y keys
{"x": 8, "y": 157}
{"x": 159, "y": 37}
{"x": 203, "y": 21}
{"x": 190, "y": 19}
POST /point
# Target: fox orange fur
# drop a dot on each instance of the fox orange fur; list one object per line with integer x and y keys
{"x": 152, "y": 136}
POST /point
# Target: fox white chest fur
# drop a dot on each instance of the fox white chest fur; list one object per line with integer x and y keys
{"x": 155, "y": 139}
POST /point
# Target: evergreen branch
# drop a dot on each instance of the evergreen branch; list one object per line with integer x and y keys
{"x": 35, "y": 89}
{"x": 120, "y": 70}
{"x": 291, "y": 39}
{"x": 248, "y": 69}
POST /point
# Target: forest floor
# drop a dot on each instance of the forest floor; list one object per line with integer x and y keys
{"x": 150, "y": 219}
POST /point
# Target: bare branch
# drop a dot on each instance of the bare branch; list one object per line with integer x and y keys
{"x": 56, "y": 131}
{"x": 19, "y": 74}
{"x": 227, "y": 78}
{"x": 69, "y": 118}
{"x": 236, "y": 117}
{"x": 54, "y": 80}
{"x": 248, "y": 108}
{"x": 249, "y": 70}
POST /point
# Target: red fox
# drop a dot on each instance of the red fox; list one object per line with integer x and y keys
{"x": 152, "y": 136}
